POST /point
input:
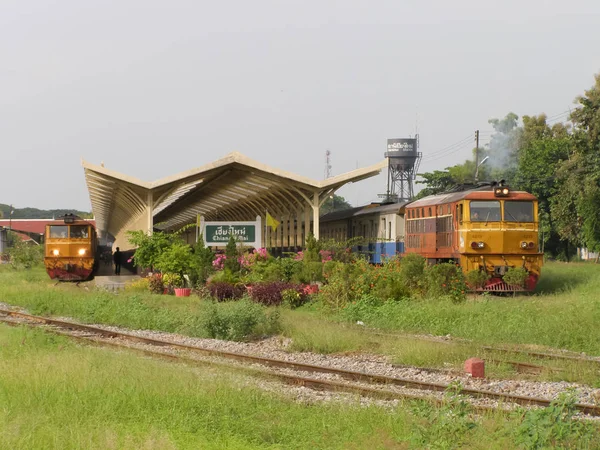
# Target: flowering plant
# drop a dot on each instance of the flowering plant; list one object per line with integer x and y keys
{"x": 247, "y": 260}
{"x": 326, "y": 255}
{"x": 219, "y": 261}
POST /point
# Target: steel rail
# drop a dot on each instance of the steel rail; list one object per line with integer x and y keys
{"x": 539, "y": 355}
{"x": 346, "y": 374}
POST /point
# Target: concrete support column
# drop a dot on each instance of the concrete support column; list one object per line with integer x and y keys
{"x": 315, "y": 208}
{"x": 285, "y": 233}
{"x": 150, "y": 212}
{"x": 299, "y": 228}
{"x": 306, "y": 224}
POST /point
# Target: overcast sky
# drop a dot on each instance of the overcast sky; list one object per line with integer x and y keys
{"x": 153, "y": 88}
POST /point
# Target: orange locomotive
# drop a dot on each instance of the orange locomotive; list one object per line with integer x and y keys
{"x": 71, "y": 249}
{"x": 488, "y": 228}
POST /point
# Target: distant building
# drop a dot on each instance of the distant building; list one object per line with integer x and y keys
{"x": 33, "y": 228}
{"x": 586, "y": 255}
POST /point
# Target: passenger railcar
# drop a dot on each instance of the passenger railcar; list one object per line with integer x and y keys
{"x": 489, "y": 228}
{"x": 71, "y": 249}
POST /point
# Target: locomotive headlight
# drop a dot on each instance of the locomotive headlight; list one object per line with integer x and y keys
{"x": 505, "y": 191}
{"x": 82, "y": 251}
{"x": 477, "y": 245}
{"x": 55, "y": 252}
{"x": 523, "y": 244}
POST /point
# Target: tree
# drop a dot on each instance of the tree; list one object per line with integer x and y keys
{"x": 202, "y": 262}
{"x": 437, "y": 181}
{"x": 542, "y": 149}
{"x": 576, "y": 204}
{"x": 176, "y": 258}
{"x": 334, "y": 203}
{"x": 231, "y": 256}
{"x": 149, "y": 247}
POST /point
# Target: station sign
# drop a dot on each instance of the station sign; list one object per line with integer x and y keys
{"x": 218, "y": 233}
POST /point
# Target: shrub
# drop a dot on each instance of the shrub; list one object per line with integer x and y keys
{"x": 225, "y": 276}
{"x": 176, "y": 259}
{"x": 271, "y": 294}
{"x": 340, "y": 287}
{"x": 292, "y": 298}
{"x": 139, "y": 285}
{"x": 516, "y": 276}
{"x": 231, "y": 256}
{"x": 313, "y": 247}
{"x": 202, "y": 259}
{"x": 264, "y": 271}
{"x": 446, "y": 279}
{"x": 288, "y": 268}
{"x": 554, "y": 425}
{"x": 172, "y": 280}
{"x": 309, "y": 272}
{"x": 222, "y": 291}
{"x": 156, "y": 284}
{"x": 412, "y": 271}
{"x": 149, "y": 247}
{"x": 388, "y": 281}
{"x": 476, "y": 279}
{"x": 239, "y": 320}
{"x": 25, "y": 256}
{"x": 362, "y": 308}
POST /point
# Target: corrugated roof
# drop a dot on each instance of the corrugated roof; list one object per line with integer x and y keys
{"x": 371, "y": 208}
{"x": 232, "y": 188}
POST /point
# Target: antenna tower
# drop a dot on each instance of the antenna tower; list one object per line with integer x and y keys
{"x": 327, "y": 164}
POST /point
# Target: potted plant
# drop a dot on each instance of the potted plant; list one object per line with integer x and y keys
{"x": 177, "y": 260}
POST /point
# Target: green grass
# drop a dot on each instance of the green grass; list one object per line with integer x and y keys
{"x": 564, "y": 313}
{"x": 55, "y": 394}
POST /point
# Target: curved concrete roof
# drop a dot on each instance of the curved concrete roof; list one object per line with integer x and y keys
{"x": 232, "y": 188}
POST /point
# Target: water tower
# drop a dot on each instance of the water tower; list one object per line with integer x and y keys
{"x": 403, "y": 162}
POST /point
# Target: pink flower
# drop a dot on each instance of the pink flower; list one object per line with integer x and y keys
{"x": 219, "y": 262}
{"x": 299, "y": 256}
{"x": 326, "y": 255}
{"x": 129, "y": 260}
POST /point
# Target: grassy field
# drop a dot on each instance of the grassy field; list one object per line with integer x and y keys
{"x": 55, "y": 394}
{"x": 564, "y": 313}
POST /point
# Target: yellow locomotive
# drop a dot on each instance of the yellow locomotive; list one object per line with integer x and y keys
{"x": 71, "y": 249}
{"x": 489, "y": 228}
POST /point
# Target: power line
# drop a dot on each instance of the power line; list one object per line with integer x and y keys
{"x": 439, "y": 156}
{"x": 462, "y": 142}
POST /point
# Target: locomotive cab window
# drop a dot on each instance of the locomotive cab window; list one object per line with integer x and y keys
{"x": 59, "y": 231}
{"x": 78, "y": 232}
{"x": 485, "y": 211}
{"x": 518, "y": 211}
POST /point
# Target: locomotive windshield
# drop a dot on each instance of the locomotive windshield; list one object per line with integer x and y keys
{"x": 79, "y": 232}
{"x": 518, "y": 211}
{"x": 58, "y": 231}
{"x": 485, "y": 211}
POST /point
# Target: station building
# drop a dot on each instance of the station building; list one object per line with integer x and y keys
{"x": 232, "y": 189}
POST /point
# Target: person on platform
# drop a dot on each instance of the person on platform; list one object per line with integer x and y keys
{"x": 117, "y": 261}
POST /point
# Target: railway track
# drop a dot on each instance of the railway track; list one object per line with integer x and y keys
{"x": 370, "y": 385}
{"x": 520, "y": 366}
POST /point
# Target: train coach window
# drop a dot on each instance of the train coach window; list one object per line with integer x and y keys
{"x": 78, "y": 232}
{"x": 485, "y": 211}
{"x": 518, "y": 211}
{"x": 58, "y": 231}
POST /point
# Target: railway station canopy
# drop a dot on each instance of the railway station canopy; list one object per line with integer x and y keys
{"x": 233, "y": 188}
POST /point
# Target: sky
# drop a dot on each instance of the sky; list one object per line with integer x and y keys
{"x": 152, "y": 88}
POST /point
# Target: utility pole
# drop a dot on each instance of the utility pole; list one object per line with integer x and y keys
{"x": 476, "y": 155}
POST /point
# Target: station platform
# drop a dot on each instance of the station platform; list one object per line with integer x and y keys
{"x": 114, "y": 282}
